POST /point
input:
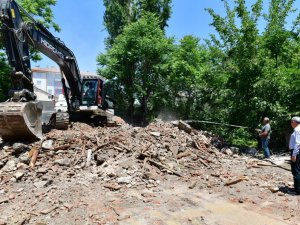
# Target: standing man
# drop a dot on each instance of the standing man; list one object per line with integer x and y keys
{"x": 294, "y": 146}
{"x": 264, "y": 135}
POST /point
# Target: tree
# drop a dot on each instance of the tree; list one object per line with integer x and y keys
{"x": 4, "y": 78}
{"x": 241, "y": 45}
{"x": 136, "y": 64}
{"x": 260, "y": 66}
{"x": 276, "y": 34}
{"x": 186, "y": 74}
{"x": 120, "y": 13}
{"x": 42, "y": 11}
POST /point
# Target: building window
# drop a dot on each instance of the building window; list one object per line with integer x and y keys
{"x": 38, "y": 82}
{"x": 50, "y": 91}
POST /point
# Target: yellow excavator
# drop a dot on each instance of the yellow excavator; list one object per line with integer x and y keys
{"x": 88, "y": 97}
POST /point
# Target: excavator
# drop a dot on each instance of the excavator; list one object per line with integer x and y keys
{"x": 88, "y": 97}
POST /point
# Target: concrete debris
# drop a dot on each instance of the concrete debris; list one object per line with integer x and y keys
{"x": 9, "y": 166}
{"x": 19, "y": 148}
{"x": 3, "y": 222}
{"x": 75, "y": 170}
{"x": 184, "y": 126}
{"x": 274, "y": 189}
{"x": 4, "y": 200}
{"x": 48, "y": 144}
{"x": 124, "y": 180}
{"x": 63, "y": 162}
{"x": 19, "y": 175}
{"x": 41, "y": 184}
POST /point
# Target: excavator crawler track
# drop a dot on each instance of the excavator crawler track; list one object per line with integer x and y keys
{"x": 62, "y": 120}
{"x": 20, "y": 120}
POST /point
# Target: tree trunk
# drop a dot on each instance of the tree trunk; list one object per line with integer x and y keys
{"x": 144, "y": 110}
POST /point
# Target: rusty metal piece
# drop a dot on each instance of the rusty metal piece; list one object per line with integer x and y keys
{"x": 20, "y": 120}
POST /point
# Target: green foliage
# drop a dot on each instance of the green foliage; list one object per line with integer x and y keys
{"x": 41, "y": 10}
{"x": 263, "y": 69}
{"x": 4, "y": 78}
{"x": 136, "y": 64}
{"x": 238, "y": 76}
{"x": 120, "y": 13}
{"x": 241, "y": 137}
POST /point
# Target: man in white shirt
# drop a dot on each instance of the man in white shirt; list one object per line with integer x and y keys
{"x": 294, "y": 146}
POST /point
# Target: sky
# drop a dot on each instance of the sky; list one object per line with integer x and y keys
{"x": 84, "y": 33}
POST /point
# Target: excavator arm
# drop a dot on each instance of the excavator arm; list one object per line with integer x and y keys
{"x": 20, "y": 115}
{"x": 19, "y": 34}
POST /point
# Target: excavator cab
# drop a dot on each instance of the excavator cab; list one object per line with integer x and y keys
{"x": 89, "y": 94}
{"x": 92, "y": 91}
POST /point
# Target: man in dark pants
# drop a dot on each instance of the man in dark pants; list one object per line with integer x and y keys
{"x": 264, "y": 135}
{"x": 294, "y": 146}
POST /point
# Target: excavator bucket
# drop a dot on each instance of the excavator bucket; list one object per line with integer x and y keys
{"x": 20, "y": 120}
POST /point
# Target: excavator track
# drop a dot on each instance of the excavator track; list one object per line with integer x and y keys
{"x": 62, "y": 120}
{"x": 20, "y": 120}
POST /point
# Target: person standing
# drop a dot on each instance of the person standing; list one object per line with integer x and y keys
{"x": 265, "y": 135}
{"x": 294, "y": 146}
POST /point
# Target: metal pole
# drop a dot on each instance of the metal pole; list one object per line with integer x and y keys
{"x": 209, "y": 122}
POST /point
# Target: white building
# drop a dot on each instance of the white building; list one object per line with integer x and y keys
{"x": 49, "y": 79}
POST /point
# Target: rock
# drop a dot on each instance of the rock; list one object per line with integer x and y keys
{"x": 112, "y": 186}
{"x": 3, "y": 162}
{"x": 47, "y": 144}
{"x": 41, "y": 184}
{"x": 99, "y": 160}
{"x": 4, "y": 200}
{"x": 63, "y": 162}
{"x": 19, "y": 175}
{"x": 24, "y": 158}
{"x": 193, "y": 185}
{"x": 235, "y": 150}
{"x": 41, "y": 223}
{"x": 12, "y": 196}
{"x": 9, "y": 166}
{"x": 228, "y": 151}
{"x": 3, "y": 222}
{"x": 126, "y": 164}
{"x": 111, "y": 173}
{"x": 175, "y": 123}
{"x": 155, "y": 134}
{"x": 174, "y": 150}
{"x": 22, "y": 166}
{"x": 42, "y": 170}
{"x": 124, "y": 180}
{"x": 20, "y": 190}
{"x": 19, "y": 148}
{"x": 274, "y": 189}
{"x": 184, "y": 126}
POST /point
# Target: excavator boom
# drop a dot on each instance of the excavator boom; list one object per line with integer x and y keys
{"x": 20, "y": 115}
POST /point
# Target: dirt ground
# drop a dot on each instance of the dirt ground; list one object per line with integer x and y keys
{"x": 162, "y": 174}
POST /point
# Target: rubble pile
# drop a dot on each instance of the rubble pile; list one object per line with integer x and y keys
{"x": 110, "y": 175}
{"x": 119, "y": 156}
